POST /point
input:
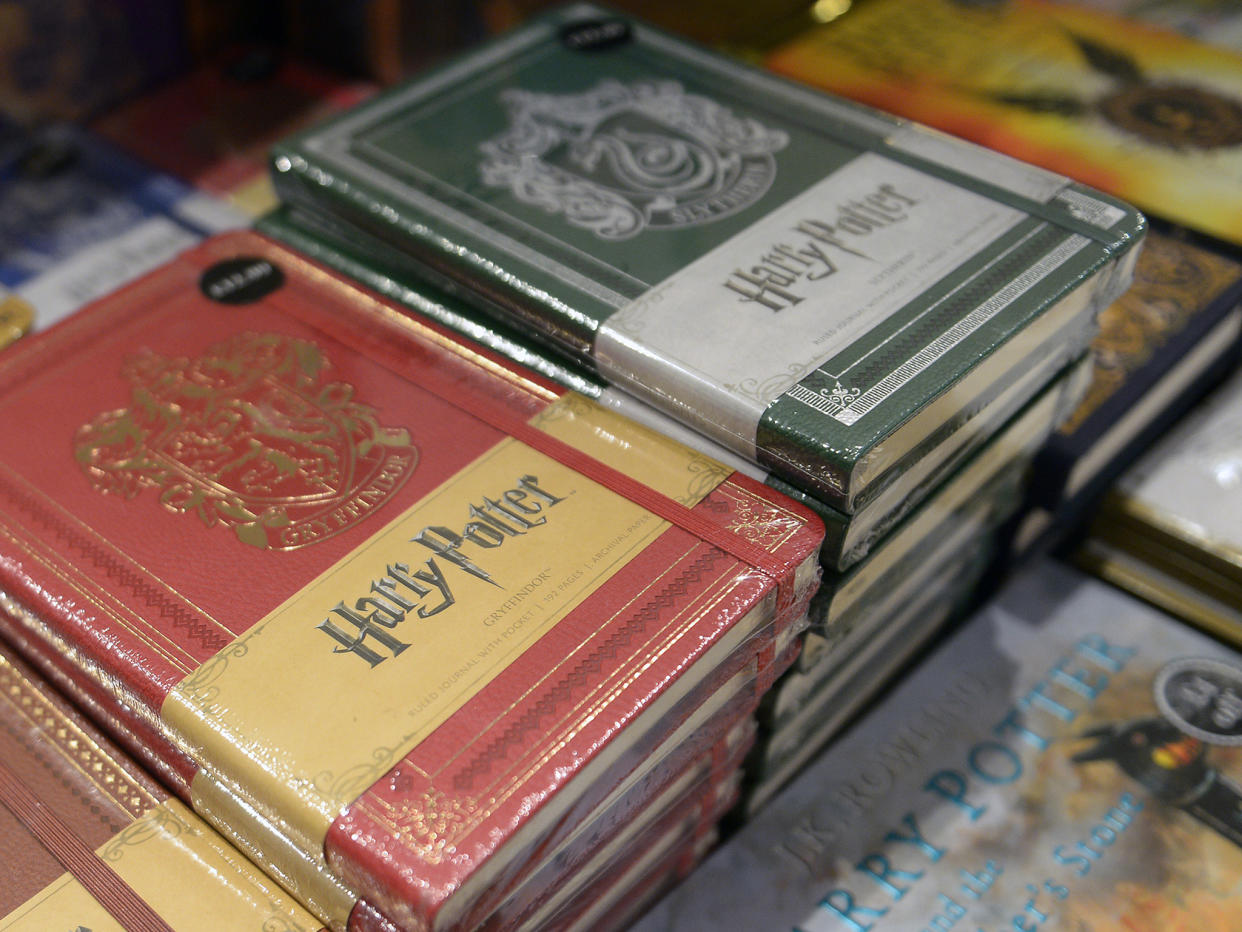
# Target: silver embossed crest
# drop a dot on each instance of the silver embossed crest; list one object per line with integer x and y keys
{"x": 621, "y": 158}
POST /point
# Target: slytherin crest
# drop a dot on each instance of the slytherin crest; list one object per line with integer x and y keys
{"x": 252, "y": 435}
{"x": 621, "y": 158}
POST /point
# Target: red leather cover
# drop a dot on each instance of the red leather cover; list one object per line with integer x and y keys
{"x": 697, "y": 808}
{"x": 149, "y": 580}
{"x": 617, "y": 903}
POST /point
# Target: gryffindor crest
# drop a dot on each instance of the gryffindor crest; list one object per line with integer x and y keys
{"x": 252, "y": 435}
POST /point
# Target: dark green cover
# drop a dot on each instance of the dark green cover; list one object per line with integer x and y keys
{"x": 512, "y": 172}
{"x": 371, "y": 262}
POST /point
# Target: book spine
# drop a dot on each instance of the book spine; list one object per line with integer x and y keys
{"x": 310, "y": 187}
{"x": 376, "y": 265}
{"x": 257, "y": 837}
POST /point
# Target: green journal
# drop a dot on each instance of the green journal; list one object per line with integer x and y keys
{"x": 846, "y": 299}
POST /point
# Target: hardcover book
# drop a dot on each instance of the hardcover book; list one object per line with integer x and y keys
{"x": 719, "y": 729}
{"x": 692, "y": 805}
{"x": 682, "y": 829}
{"x": 1145, "y": 114}
{"x": 809, "y": 710}
{"x": 640, "y": 885}
{"x": 970, "y": 504}
{"x": 91, "y": 842}
{"x": 1179, "y": 319}
{"x": 1069, "y": 760}
{"x": 78, "y": 218}
{"x": 404, "y": 611}
{"x": 367, "y": 259}
{"x": 879, "y": 588}
{"x": 838, "y": 296}
{"x": 1162, "y": 345}
{"x": 381, "y": 267}
{"x": 1171, "y": 529}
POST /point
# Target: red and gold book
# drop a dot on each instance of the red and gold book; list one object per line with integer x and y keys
{"x": 402, "y": 610}
{"x": 636, "y": 886}
{"x": 91, "y": 842}
{"x": 714, "y": 763}
{"x": 685, "y": 827}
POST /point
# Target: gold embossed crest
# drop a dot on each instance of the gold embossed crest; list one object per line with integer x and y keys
{"x": 252, "y": 435}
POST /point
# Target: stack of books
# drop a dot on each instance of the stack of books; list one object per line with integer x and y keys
{"x": 78, "y": 218}
{"x": 434, "y": 641}
{"x": 1164, "y": 343}
{"x": 84, "y": 825}
{"x": 883, "y": 322}
{"x": 1069, "y": 759}
{"x": 1170, "y": 530}
{"x": 870, "y": 615}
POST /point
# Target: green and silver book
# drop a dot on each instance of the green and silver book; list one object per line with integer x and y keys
{"x": 946, "y": 519}
{"x": 834, "y": 294}
{"x": 836, "y": 619}
{"x": 378, "y": 265}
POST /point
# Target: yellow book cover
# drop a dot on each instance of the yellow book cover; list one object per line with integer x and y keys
{"x": 1150, "y": 116}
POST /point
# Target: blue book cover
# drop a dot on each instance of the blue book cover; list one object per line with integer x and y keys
{"x": 78, "y": 218}
{"x": 1070, "y": 759}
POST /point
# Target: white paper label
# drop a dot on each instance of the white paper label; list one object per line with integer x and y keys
{"x": 100, "y": 268}
{"x": 752, "y": 317}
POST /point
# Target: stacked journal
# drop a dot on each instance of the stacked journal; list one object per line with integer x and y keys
{"x": 84, "y": 826}
{"x": 435, "y": 642}
{"x": 883, "y": 322}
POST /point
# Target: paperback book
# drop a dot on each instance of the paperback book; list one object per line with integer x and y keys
{"x": 241, "y": 479}
{"x": 1147, "y": 115}
{"x": 843, "y": 298}
{"x": 92, "y": 842}
{"x": 1070, "y": 759}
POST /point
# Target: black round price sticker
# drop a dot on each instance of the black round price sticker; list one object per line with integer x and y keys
{"x": 1203, "y": 698}
{"x": 593, "y": 35}
{"x": 240, "y": 281}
